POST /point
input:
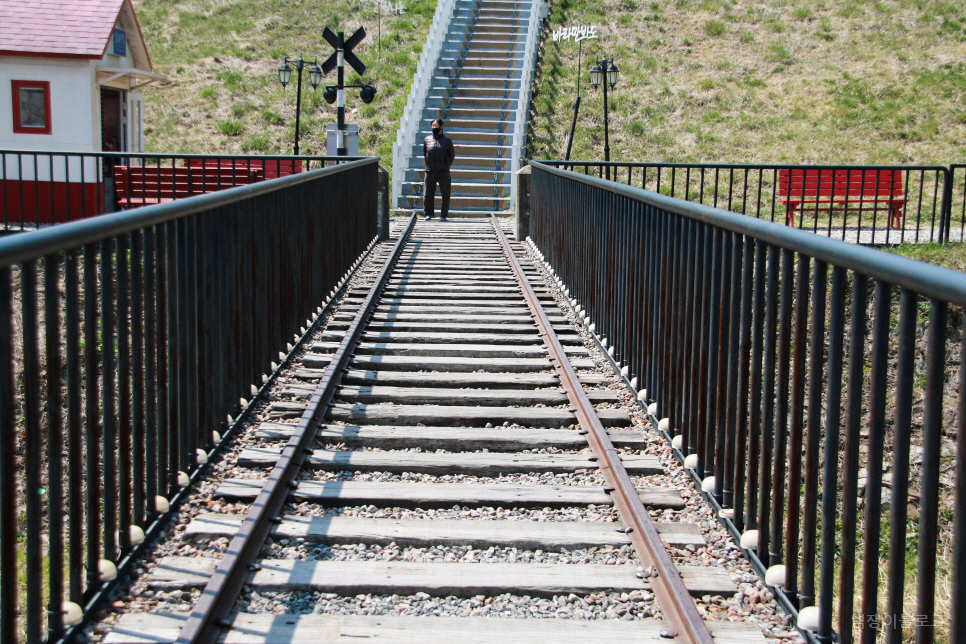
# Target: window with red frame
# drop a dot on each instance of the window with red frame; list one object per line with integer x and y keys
{"x": 31, "y": 107}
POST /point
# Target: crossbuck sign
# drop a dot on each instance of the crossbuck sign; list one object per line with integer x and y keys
{"x": 577, "y": 33}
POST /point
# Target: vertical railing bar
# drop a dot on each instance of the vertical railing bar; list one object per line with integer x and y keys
{"x": 755, "y": 427}
{"x": 55, "y": 446}
{"x": 929, "y": 487}
{"x": 957, "y": 625}
{"x": 779, "y": 454}
{"x": 109, "y": 251}
{"x": 33, "y": 458}
{"x": 813, "y": 431}
{"x": 902, "y": 430}
{"x": 878, "y": 390}
{"x": 850, "y": 459}
{"x": 795, "y": 427}
{"x": 8, "y": 463}
{"x": 833, "y": 412}
{"x": 92, "y": 419}
{"x": 744, "y": 350}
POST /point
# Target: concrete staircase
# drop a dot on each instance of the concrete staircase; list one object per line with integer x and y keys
{"x": 478, "y": 83}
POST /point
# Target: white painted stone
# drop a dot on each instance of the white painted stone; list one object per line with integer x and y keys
{"x": 254, "y": 390}
{"x": 708, "y": 485}
{"x": 106, "y": 570}
{"x": 215, "y": 437}
{"x": 136, "y": 535}
{"x": 808, "y": 618}
{"x": 678, "y": 441}
{"x": 776, "y": 575}
{"x": 634, "y": 385}
{"x": 625, "y": 371}
{"x": 652, "y": 409}
{"x": 243, "y": 402}
{"x": 749, "y": 539}
{"x": 664, "y": 424}
{"x": 183, "y": 479}
{"x": 691, "y": 461}
{"x": 641, "y": 395}
{"x": 201, "y": 456}
{"x": 73, "y": 613}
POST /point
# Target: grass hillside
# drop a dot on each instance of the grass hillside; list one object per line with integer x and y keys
{"x": 222, "y": 93}
{"x": 753, "y": 81}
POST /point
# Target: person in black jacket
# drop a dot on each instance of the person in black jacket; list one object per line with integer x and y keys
{"x": 438, "y": 153}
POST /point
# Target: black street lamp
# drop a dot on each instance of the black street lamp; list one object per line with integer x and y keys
{"x": 601, "y": 69}
{"x": 285, "y": 75}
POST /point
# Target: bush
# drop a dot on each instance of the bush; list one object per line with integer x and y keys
{"x": 230, "y": 127}
{"x": 714, "y": 27}
{"x": 258, "y": 143}
{"x": 272, "y": 118}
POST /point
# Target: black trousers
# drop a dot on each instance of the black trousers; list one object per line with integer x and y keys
{"x": 429, "y": 192}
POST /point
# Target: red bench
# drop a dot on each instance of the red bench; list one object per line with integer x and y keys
{"x": 270, "y": 168}
{"x": 847, "y": 190}
{"x": 141, "y": 185}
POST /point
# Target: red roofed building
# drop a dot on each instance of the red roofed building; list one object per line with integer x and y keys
{"x": 69, "y": 74}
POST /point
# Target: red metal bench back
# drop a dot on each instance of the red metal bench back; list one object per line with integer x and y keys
{"x": 809, "y": 182}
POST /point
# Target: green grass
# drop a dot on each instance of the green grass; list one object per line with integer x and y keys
{"x": 222, "y": 94}
{"x": 849, "y": 82}
{"x": 951, "y": 256}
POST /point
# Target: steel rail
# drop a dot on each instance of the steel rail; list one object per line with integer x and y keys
{"x": 680, "y": 611}
{"x": 209, "y": 616}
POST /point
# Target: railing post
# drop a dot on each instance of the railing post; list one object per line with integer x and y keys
{"x": 946, "y": 207}
{"x": 382, "y": 220}
{"x": 522, "y": 200}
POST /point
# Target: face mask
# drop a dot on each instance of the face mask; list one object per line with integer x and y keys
{"x": 437, "y": 130}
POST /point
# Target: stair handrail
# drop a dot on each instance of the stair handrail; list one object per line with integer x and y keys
{"x": 518, "y": 150}
{"x": 412, "y": 114}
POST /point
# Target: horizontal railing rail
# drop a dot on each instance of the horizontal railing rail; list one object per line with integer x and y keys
{"x": 812, "y": 388}
{"x": 126, "y": 341}
{"x": 42, "y": 188}
{"x": 864, "y": 204}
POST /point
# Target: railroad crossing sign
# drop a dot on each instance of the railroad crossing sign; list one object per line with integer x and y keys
{"x": 344, "y": 47}
{"x": 343, "y": 54}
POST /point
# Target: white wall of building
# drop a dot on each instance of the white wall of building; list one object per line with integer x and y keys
{"x": 74, "y": 106}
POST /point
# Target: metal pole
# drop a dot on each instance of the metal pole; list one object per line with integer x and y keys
{"x": 340, "y": 133}
{"x": 298, "y": 104}
{"x": 606, "y": 136}
{"x": 573, "y": 126}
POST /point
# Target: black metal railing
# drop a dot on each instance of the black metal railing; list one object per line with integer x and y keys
{"x": 956, "y": 212}
{"x": 813, "y": 384}
{"x": 126, "y": 341}
{"x": 42, "y": 188}
{"x": 864, "y": 204}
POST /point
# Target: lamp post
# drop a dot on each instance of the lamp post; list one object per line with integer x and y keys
{"x": 285, "y": 75}
{"x": 601, "y": 69}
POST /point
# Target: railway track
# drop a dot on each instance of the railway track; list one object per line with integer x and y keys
{"x": 436, "y": 462}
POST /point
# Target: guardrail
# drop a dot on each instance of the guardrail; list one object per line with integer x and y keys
{"x": 956, "y": 211}
{"x": 519, "y": 149}
{"x": 852, "y": 206}
{"x": 39, "y": 188}
{"x": 413, "y": 112}
{"x": 824, "y": 454}
{"x": 125, "y": 341}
